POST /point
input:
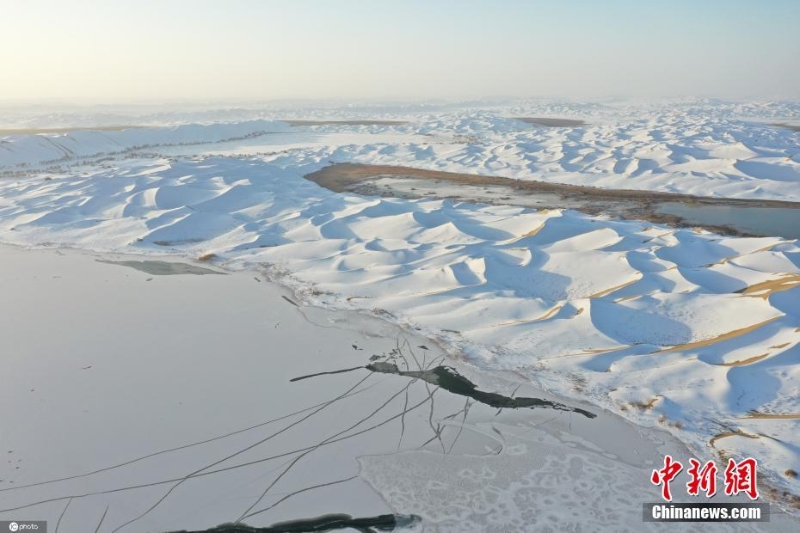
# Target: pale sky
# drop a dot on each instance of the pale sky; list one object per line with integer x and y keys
{"x": 115, "y": 51}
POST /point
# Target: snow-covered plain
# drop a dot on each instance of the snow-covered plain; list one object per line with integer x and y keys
{"x": 692, "y": 331}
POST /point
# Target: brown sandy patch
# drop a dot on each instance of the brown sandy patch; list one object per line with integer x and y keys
{"x": 625, "y": 203}
{"x": 552, "y": 122}
{"x": 340, "y": 177}
{"x": 645, "y": 406}
{"x": 771, "y": 416}
{"x": 298, "y": 123}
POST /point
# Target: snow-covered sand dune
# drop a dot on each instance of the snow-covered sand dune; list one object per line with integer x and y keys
{"x": 706, "y": 150}
{"x": 25, "y": 150}
{"x": 693, "y": 331}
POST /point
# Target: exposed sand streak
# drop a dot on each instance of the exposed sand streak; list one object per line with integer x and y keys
{"x": 726, "y": 434}
{"x": 550, "y": 313}
{"x": 770, "y": 416}
{"x": 615, "y": 288}
{"x": 531, "y": 233}
{"x": 589, "y": 351}
{"x": 629, "y": 298}
{"x": 767, "y": 288}
{"x": 726, "y": 260}
{"x": 720, "y": 338}
{"x": 545, "y": 316}
{"x": 744, "y": 362}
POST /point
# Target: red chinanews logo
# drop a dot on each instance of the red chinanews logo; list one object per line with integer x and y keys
{"x": 738, "y": 477}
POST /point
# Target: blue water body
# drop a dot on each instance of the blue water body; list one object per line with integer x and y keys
{"x": 758, "y": 221}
